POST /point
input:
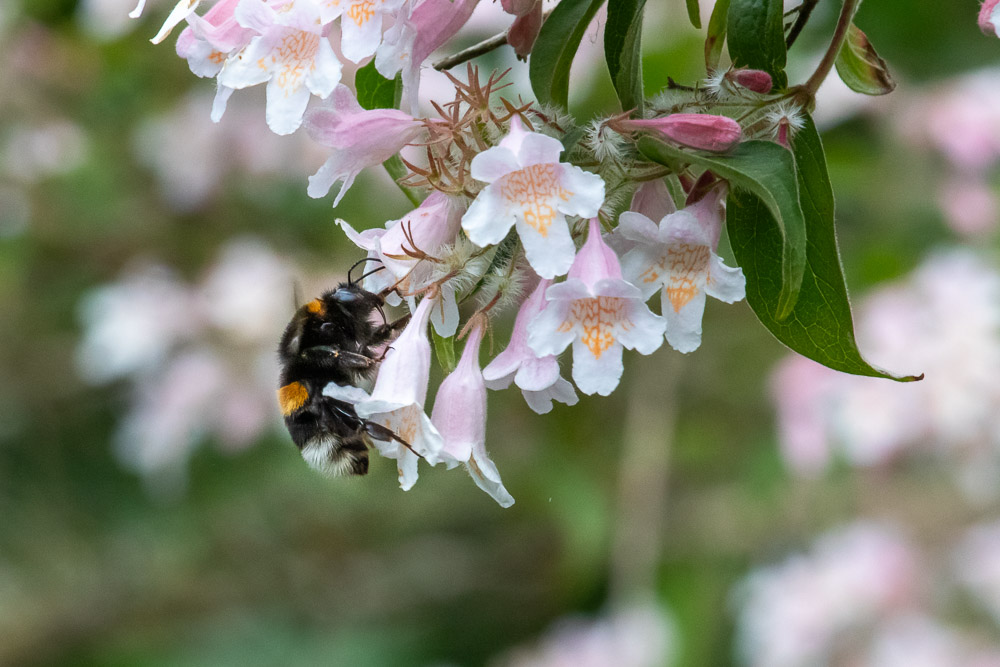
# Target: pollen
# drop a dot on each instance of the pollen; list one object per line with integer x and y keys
{"x": 687, "y": 266}
{"x": 291, "y": 397}
{"x": 536, "y": 190}
{"x": 316, "y": 307}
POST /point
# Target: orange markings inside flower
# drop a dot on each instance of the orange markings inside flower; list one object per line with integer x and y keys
{"x": 533, "y": 189}
{"x": 361, "y": 12}
{"x": 687, "y": 262}
{"x": 598, "y": 317}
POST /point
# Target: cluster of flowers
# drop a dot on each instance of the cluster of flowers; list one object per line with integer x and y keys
{"x": 861, "y": 596}
{"x": 511, "y": 208}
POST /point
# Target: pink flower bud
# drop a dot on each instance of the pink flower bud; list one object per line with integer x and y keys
{"x": 989, "y": 17}
{"x": 706, "y": 132}
{"x": 524, "y": 30}
{"x": 756, "y": 80}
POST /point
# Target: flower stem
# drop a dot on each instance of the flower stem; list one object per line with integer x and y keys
{"x": 839, "y": 35}
{"x": 397, "y": 170}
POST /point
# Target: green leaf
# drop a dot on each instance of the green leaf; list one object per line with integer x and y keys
{"x": 555, "y": 48}
{"x": 623, "y": 51}
{"x": 766, "y": 171}
{"x": 375, "y": 91}
{"x": 716, "y": 34}
{"x": 756, "y": 36}
{"x": 820, "y": 326}
{"x": 444, "y": 350}
{"x": 694, "y": 13}
{"x": 860, "y": 67}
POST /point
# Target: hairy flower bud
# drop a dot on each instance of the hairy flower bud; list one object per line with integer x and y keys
{"x": 706, "y": 132}
{"x": 756, "y": 80}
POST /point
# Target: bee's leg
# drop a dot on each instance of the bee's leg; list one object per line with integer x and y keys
{"x": 380, "y": 432}
{"x": 389, "y": 331}
{"x": 342, "y": 358}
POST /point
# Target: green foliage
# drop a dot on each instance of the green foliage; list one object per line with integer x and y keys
{"x": 820, "y": 325}
{"x": 623, "y": 51}
{"x": 717, "y": 24}
{"x": 756, "y": 37}
{"x": 375, "y": 91}
{"x": 767, "y": 172}
{"x": 694, "y": 13}
{"x": 555, "y": 48}
{"x": 444, "y": 351}
{"x": 861, "y": 68}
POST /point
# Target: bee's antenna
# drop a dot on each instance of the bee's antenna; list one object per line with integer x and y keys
{"x": 296, "y": 294}
{"x": 368, "y": 273}
{"x": 351, "y": 281}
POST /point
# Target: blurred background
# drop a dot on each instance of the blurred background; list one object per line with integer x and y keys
{"x": 733, "y": 506}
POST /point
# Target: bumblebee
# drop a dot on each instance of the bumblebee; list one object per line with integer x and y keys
{"x": 333, "y": 338}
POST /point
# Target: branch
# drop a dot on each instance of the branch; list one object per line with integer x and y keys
{"x": 474, "y": 51}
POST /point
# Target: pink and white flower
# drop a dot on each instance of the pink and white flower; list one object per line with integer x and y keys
{"x": 530, "y": 188}
{"x": 397, "y": 401}
{"x": 538, "y": 378}
{"x": 460, "y": 417}
{"x": 359, "y": 138}
{"x": 417, "y": 34}
{"x": 678, "y": 257}
{"x": 527, "y": 24}
{"x": 209, "y": 40}
{"x": 599, "y": 312}
{"x": 360, "y": 24}
{"x": 427, "y": 229}
{"x": 291, "y": 53}
{"x": 180, "y": 12}
{"x": 989, "y": 17}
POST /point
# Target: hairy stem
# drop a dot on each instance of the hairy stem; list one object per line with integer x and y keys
{"x": 839, "y": 35}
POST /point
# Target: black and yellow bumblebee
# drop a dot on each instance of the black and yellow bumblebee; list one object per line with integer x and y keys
{"x": 333, "y": 338}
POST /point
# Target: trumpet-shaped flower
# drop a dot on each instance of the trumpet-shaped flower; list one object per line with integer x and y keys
{"x": 460, "y": 417}
{"x": 530, "y": 188}
{"x": 360, "y": 24}
{"x": 397, "y": 401}
{"x": 291, "y": 53}
{"x": 414, "y": 36}
{"x": 599, "y": 312}
{"x": 523, "y": 32}
{"x": 401, "y": 247}
{"x": 359, "y": 138}
{"x": 209, "y": 40}
{"x": 678, "y": 257}
{"x": 538, "y": 378}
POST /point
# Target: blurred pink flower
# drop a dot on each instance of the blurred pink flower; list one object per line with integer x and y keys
{"x": 989, "y": 17}
{"x": 970, "y": 206}
{"x": 795, "y": 613}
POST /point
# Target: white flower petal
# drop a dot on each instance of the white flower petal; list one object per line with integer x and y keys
{"x": 493, "y": 163}
{"x": 637, "y": 227}
{"x": 361, "y": 32}
{"x": 644, "y": 330}
{"x": 541, "y": 401}
{"x": 684, "y": 326}
{"x": 538, "y": 149}
{"x": 546, "y": 333}
{"x": 180, "y": 11}
{"x": 597, "y": 374}
{"x": 550, "y": 255}
{"x": 325, "y": 75}
{"x": 538, "y": 373}
{"x": 727, "y": 284}
{"x": 484, "y": 473}
{"x": 487, "y": 222}
{"x": 587, "y": 189}
{"x": 222, "y": 95}
{"x": 641, "y": 267}
{"x": 445, "y": 317}
{"x": 285, "y": 106}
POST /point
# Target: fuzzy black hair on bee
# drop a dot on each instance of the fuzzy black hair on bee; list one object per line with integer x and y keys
{"x": 333, "y": 338}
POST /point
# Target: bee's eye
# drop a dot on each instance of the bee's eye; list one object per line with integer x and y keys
{"x": 326, "y": 326}
{"x": 346, "y": 296}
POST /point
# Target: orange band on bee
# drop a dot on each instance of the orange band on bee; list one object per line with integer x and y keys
{"x": 316, "y": 307}
{"x": 291, "y": 397}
